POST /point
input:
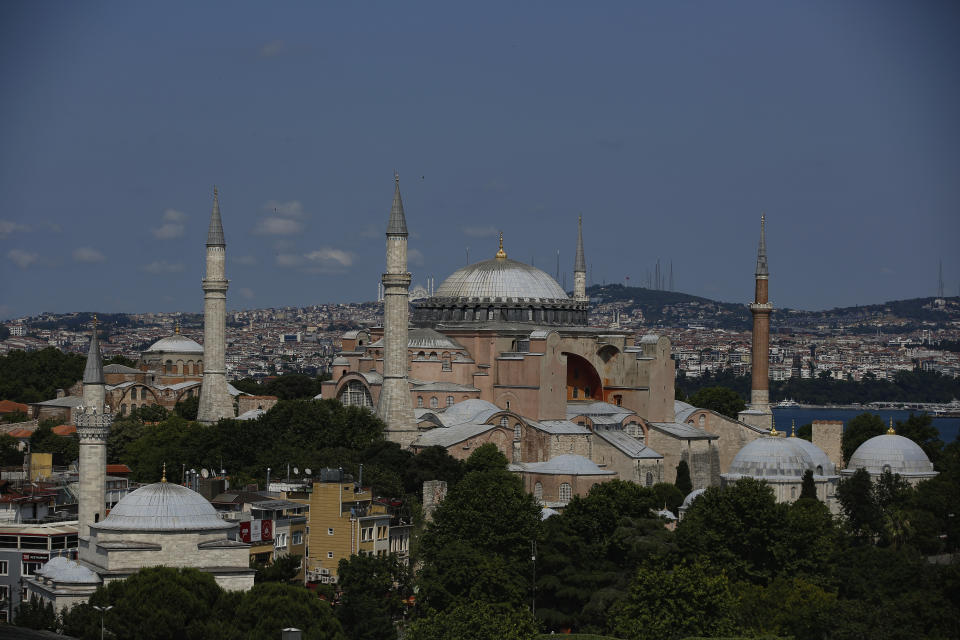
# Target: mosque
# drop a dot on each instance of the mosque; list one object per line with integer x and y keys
{"x": 161, "y": 523}
{"x": 500, "y": 353}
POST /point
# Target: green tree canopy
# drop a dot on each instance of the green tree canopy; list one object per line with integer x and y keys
{"x": 808, "y": 489}
{"x": 34, "y": 376}
{"x": 723, "y": 400}
{"x": 476, "y": 621}
{"x": 683, "y": 482}
{"x": 373, "y": 590}
{"x": 859, "y": 430}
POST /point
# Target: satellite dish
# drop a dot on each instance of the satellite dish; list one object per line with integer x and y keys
{"x": 307, "y": 471}
{"x": 296, "y": 471}
{"x": 204, "y": 473}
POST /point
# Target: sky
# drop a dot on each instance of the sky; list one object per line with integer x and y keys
{"x": 669, "y": 126}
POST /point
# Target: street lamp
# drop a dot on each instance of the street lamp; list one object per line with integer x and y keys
{"x": 102, "y": 611}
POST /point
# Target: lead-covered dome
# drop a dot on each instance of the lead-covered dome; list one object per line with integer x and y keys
{"x": 893, "y": 453}
{"x": 163, "y": 506}
{"x": 774, "y": 459}
{"x": 501, "y": 278}
{"x": 175, "y": 344}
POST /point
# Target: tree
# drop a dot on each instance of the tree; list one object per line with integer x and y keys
{"x": 283, "y": 569}
{"x": 920, "y": 429}
{"x": 723, "y": 400}
{"x": 858, "y": 431}
{"x": 373, "y": 593}
{"x": 188, "y": 408}
{"x": 668, "y": 495}
{"x": 686, "y": 600}
{"x": 122, "y": 360}
{"x": 805, "y": 431}
{"x": 65, "y": 449}
{"x": 859, "y": 506}
{"x": 808, "y": 490}
{"x": 271, "y": 606}
{"x": 487, "y": 457}
{"x": 683, "y": 482}
{"x": 36, "y": 375}
{"x": 10, "y": 453}
{"x": 477, "y": 621}
{"x": 36, "y": 615}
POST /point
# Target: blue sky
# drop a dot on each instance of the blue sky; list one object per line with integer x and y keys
{"x": 669, "y": 126}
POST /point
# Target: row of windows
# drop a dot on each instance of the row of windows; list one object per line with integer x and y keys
{"x": 188, "y": 368}
{"x": 434, "y": 402}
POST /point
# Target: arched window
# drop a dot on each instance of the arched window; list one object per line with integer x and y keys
{"x": 618, "y": 400}
{"x": 702, "y": 419}
{"x": 538, "y": 491}
{"x": 133, "y": 407}
{"x": 434, "y": 403}
{"x": 169, "y": 366}
{"x": 449, "y": 401}
{"x": 143, "y": 393}
{"x": 886, "y": 468}
{"x": 517, "y": 431}
{"x": 446, "y": 362}
{"x": 123, "y": 409}
{"x": 504, "y": 422}
{"x": 419, "y": 401}
{"x": 819, "y": 470}
{"x": 649, "y": 479}
{"x": 793, "y": 493}
{"x": 355, "y": 394}
{"x": 565, "y": 494}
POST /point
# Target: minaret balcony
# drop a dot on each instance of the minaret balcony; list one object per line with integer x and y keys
{"x": 761, "y": 306}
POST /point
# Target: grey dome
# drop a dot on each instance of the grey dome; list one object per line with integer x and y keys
{"x": 773, "y": 458}
{"x": 176, "y": 344}
{"x": 893, "y": 453}
{"x": 693, "y": 495}
{"x": 163, "y": 506}
{"x": 61, "y": 569}
{"x": 501, "y": 278}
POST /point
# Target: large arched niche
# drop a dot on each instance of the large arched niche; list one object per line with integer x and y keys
{"x": 583, "y": 381}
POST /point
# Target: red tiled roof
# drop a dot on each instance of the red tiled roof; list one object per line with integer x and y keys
{"x": 21, "y": 433}
{"x": 64, "y": 429}
{"x": 9, "y": 406}
{"x": 118, "y": 469}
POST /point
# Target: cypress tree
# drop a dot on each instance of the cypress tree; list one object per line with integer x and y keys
{"x": 808, "y": 489}
{"x": 683, "y": 478}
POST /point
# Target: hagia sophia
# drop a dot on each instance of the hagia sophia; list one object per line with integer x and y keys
{"x": 498, "y": 353}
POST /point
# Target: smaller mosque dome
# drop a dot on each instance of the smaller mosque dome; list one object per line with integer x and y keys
{"x": 163, "y": 506}
{"x": 893, "y": 453}
{"x": 774, "y": 458}
{"x": 340, "y": 361}
{"x": 693, "y": 495}
{"x": 61, "y": 569}
{"x": 176, "y": 344}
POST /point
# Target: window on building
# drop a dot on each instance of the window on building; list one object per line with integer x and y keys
{"x": 793, "y": 493}
{"x": 30, "y": 568}
{"x": 618, "y": 399}
{"x": 297, "y": 537}
{"x": 576, "y": 392}
{"x": 508, "y": 405}
{"x": 702, "y": 419}
{"x": 446, "y": 362}
{"x": 355, "y": 394}
{"x": 329, "y": 554}
{"x": 504, "y": 422}
{"x": 538, "y": 491}
{"x": 4, "y": 567}
{"x": 449, "y": 401}
{"x": 649, "y": 479}
{"x": 123, "y": 409}
{"x": 419, "y": 402}
{"x": 169, "y": 367}
{"x": 434, "y": 403}
{"x": 517, "y": 432}
{"x": 565, "y": 494}
{"x": 330, "y": 531}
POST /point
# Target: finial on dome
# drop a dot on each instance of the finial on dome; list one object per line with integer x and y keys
{"x": 176, "y": 327}
{"x": 501, "y": 253}
{"x": 163, "y": 478}
{"x": 94, "y": 321}
{"x": 890, "y": 431}
{"x": 773, "y": 427}
{"x": 793, "y": 428}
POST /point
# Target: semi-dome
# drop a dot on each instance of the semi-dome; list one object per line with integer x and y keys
{"x": 774, "y": 458}
{"x": 501, "y": 278}
{"x": 893, "y": 453}
{"x": 163, "y": 506}
{"x": 176, "y": 344}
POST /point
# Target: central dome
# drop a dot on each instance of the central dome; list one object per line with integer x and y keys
{"x": 501, "y": 278}
{"x": 163, "y": 506}
{"x": 176, "y": 344}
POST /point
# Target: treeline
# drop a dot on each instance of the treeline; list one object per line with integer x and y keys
{"x": 906, "y": 386}
{"x": 35, "y": 376}
{"x": 290, "y": 386}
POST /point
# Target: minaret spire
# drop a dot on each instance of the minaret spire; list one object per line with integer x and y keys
{"x": 580, "y": 267}
{"x": 93, "y": 421}
{"x": 93, "y": 372}
{"x": 762, "y": 248}
{"x": 395, "y": 407}
{"x": 215, "y": 400}
{"x": 759, "y": 413}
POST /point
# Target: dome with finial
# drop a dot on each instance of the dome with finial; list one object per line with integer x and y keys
{"x": 893, "y": 453}
{"x": 163, "y": 506}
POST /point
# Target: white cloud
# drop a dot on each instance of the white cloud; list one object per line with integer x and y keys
{"x": 21, "y": 258}
{"x": 162, "y": 266}
{"x": 278, "y": 227}
{"x": 7, "y": 227}
{"x": 88, "y": 254}
{"x": 414, "y": 256}
{"x": 247, "y": 261}
{"x": 480, "y": 232}
{"x": 172, "y": 226}
{"x": 246, "y": 292}
{"x": 272, "y": 49}
{"x": 327, "y": 256}
{"x": 291, "y": 209}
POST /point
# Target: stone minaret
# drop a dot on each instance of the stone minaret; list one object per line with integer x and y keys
{"x": 93, "y": 427}
{"x": 580, "y": 267}
{"x": 215, "y": 400}
{"x": 758, "y": 412}
{"x": 395, "y": 407}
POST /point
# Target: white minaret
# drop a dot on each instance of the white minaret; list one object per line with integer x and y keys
{"x": 395, "y": 407}
{"x": 93, "y": 426}
{"x": 215, "y": 400}
{"x": 580, "y": 267}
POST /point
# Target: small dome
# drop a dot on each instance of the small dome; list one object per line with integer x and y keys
{"x": 175, "y": 344}
{"x": 163, "y": 506}
{"x": 501, "y": 278}
{"x": 892, "y": 453}
{"x": 693, "y": 495}
{"x": 775, "y": 458}
{"x": 61, "y": 569}
{"x": 340, "y": 361}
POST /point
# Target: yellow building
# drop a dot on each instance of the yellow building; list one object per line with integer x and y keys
{"x": 345, "y": 520}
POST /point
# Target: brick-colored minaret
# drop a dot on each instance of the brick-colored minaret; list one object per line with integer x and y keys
{"x": 761, "y": 309}
{"x": 394, "y": 406}
{"x": 93, "y": 426}
{"x": 215, "y": 400}
{"x": 580, "y": 267}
